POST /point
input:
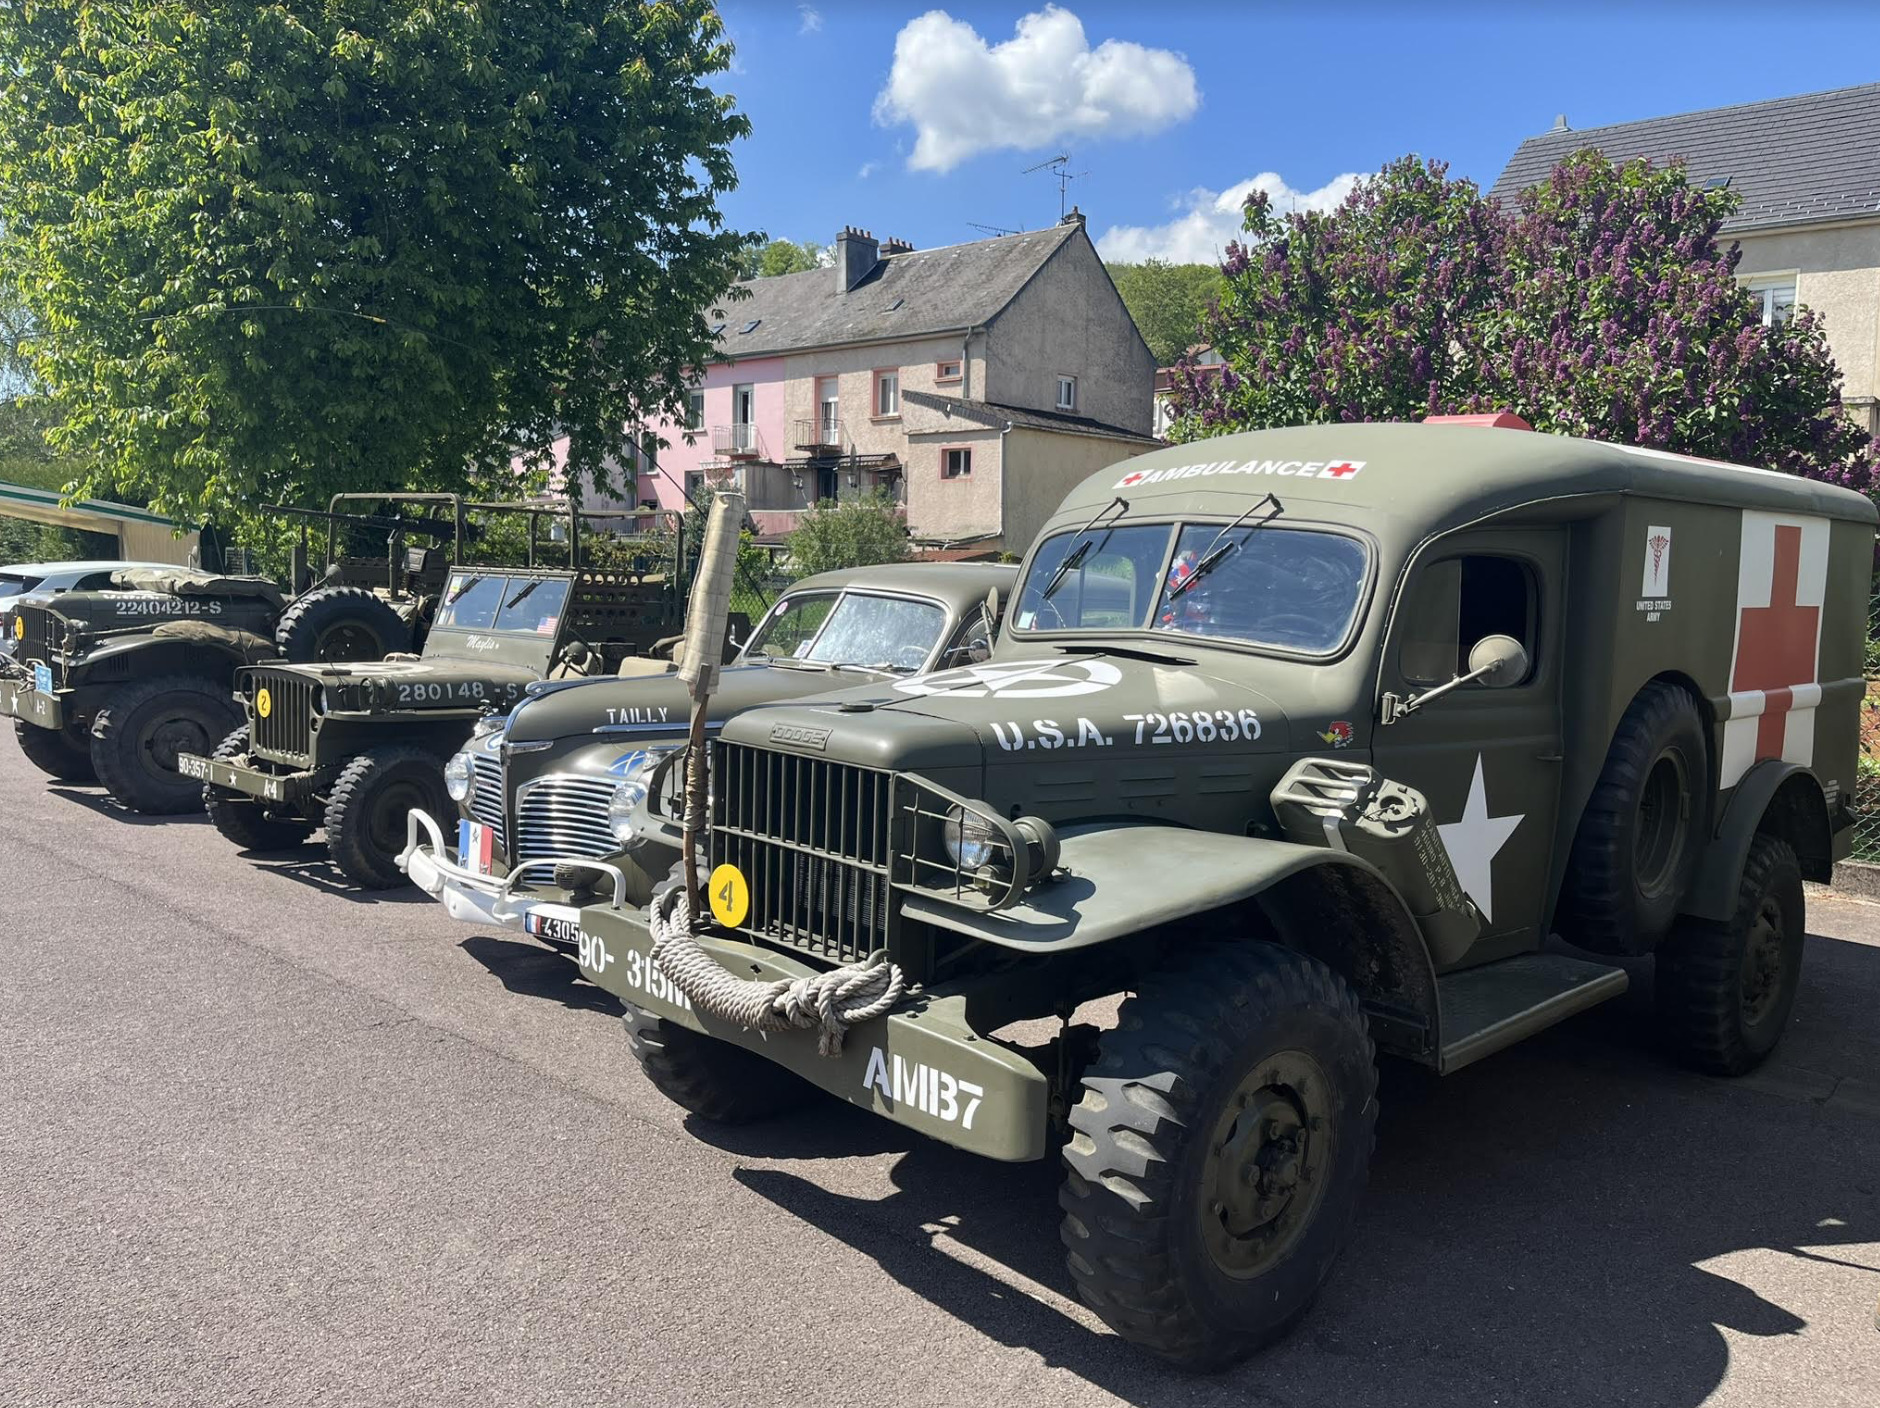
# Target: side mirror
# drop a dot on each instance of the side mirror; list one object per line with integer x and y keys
{"x": 1498, "y": 661}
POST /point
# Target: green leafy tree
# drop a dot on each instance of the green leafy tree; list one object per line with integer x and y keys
{"x": 277, "y": 251}
{"x": 767, "y": 259}
{"x": 858, "y": 532}
{"x": 1167, "y": 301}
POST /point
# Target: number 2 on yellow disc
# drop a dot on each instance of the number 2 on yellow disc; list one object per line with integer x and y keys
{"x": 264, "y": 703}
{"x": 730, "y": 896}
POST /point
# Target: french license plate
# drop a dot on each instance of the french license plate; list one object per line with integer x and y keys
{"x": 558, "y": 923}
{"x": 189, "y": 765}
{"x": 42, "y": 678}
{"x": 476, "y": 847}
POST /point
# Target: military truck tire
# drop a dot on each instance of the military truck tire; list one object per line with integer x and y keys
{"x": 339, "y": 624}
{"x": 64, "y": 753}
{"x": 1219, "y": 1152}
{"x": 1724, "y": 991}
{"x": 713, "y": 1079}
{"x": 366, "y": 811}
{"x": 242, "y": 819}
{"x": 1643, "y": 828}
{"x": 137, "y": 735}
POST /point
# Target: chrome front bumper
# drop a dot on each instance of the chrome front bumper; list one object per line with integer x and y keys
{"x": 491, "y": 899}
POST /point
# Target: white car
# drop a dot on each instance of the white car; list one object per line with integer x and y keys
{"x": 23, "y": 578}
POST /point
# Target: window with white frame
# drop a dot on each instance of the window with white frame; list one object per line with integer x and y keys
{"x": 956, "y": 463}
{"x": 1774, "y": 298}
{"x": 887, "y": 393}
{"x": 695, "y": 410}
{"x": 1067, "y": 393}
{"x": 946, "y": 371}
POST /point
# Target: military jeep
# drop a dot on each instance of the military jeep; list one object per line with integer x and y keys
{"x": 548, "y": 797}
{"x": 1313, "y": 743}
{"x": 354, "y": 747}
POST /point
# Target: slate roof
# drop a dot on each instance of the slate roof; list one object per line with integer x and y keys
{"x": 997, "y": 417}
{"x": 1793, "y": 160}
{"x": 940, "y": 290}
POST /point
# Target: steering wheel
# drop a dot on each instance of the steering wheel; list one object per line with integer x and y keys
{"x": 1046, "y": 604}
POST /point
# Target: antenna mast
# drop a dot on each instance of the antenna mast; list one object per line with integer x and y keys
{"x": 1060, "y": 167}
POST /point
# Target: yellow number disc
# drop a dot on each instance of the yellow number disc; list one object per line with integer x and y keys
{"x": 19, "y": 628}
{"x": 730, "y": 896}
{"x": 264, "y": 703}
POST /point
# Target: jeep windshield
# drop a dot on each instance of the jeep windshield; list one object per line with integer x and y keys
{"x": 496, "y": 601}
{"x": 1293, "y": 589}
{"x": 850, "y": 628}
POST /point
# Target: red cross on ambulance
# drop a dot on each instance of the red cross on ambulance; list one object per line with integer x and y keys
{"x": 1782, "y": 578}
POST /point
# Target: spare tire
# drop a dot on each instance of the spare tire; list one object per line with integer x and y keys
{"x": 1643, "y": 829}
{"x": 338, "y": 624}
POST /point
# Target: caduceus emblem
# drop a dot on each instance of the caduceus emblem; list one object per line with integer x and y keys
{"x": 1658, "y": 542}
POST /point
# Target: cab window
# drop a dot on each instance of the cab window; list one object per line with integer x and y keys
{"x": 1290, "y": 588}
{"x": 792, "y": 625}
{"x": 1455, "y": 603}
{"x": 471, "y": 601}
{"x": 533, "y": 604}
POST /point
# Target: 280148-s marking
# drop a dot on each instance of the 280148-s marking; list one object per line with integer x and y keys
{"x": 926, "y": 1088}
{"x": 440, "y": 692}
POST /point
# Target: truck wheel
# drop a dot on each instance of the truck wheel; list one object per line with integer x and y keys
{"x": 1643, "y": 828}
{"x": 138, "y": 734}
{"x": 337, "y": 624}
{"x": 242, "y": 819}
{"x": 366, "y": 811}
{"x": 713, "y": 1079}
{"x": 1724, "y": 991}
{"x": 1219, "y": 1152}
{"x": 65, "y": 753}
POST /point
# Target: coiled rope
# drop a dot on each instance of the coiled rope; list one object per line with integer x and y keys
{"x": 832, "y": 1002}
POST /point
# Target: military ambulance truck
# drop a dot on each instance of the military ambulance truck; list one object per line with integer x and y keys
{"x": 1309, "y": 741}
{"x": 548, "y": 794}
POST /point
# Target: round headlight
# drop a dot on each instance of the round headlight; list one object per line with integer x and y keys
{"x": 621, "y": 806}
{"x": 457, "y": 776}
{"x": 969, "y": 838}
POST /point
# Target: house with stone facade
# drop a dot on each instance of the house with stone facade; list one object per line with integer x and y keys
{"x": 975, "y": 383}
{"x": 1808, "y": 170}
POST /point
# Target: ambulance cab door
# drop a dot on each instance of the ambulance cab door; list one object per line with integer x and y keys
{"x": 1487, "y": 758}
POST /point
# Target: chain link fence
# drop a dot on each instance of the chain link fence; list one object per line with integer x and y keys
{"x": 1867, "y": 780}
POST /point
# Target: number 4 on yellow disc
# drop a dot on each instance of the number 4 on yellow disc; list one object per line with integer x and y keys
{"x": 730, "y": 896}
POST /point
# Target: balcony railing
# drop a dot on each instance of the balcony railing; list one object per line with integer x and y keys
{"x": 738, "y": 441}
{"x": 823, "y": 433}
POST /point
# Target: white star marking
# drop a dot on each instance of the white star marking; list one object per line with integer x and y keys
{"x": 1473, "y": 842}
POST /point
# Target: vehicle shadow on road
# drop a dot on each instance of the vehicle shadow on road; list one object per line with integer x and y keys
{"x": 100, "y": 801}
{"x": 317, "y": 872}
{"x": 535, "y": 971}
{"x": 1535, "y": 1230}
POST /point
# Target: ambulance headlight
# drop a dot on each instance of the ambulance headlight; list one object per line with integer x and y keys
{"x": 457, "y": 776}
{"x": 969, "y": 839}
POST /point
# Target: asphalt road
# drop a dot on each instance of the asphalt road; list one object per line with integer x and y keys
{"x": 266, "y": 1142}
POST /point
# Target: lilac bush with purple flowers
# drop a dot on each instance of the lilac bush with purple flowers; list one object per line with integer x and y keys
{"x": 1600, "y": 304}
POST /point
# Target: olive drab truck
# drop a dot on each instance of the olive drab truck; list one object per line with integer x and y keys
{"x": 1310, "y": 742}
{"x": 353, "y": 748}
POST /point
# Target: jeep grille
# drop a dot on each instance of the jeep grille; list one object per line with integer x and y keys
{"x": 812, "y": 840}
{"x": 42, "y": 629}
{"x": 564, "y": 814}
{"x": 286, "y": 734}
{"x": 486, "y": 794}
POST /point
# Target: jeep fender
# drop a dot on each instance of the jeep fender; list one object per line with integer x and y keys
{"x": 1782, "y": 798}
{"x": 160, "y": 652}
{"x": 1330, "y": 904}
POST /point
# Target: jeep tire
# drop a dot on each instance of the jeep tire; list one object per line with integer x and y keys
{"x": 366, "y": 811}
{"x": 1643, "y": 829}
{"x": 137, "y": 735}
{"x": 713, "y": 1079}
{"x": 65, "y": 753}
{"x": 339, "y": 624}
{"x": 1724, "y": 991}
{"x": 243, "y": 819}
{"x": 1219, "y": 1151}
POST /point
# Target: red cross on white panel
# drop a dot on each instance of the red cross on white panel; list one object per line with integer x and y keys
{"x": 1782, "y": 579}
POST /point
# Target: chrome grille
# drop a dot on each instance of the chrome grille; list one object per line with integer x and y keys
{"x": 486, "y": 793}
{"x": 564, "y": 814}
{"x": 286, "y": 734}
{"x": 813, "y": 841}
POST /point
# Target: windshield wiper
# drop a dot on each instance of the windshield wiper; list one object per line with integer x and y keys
{"x": 1077, "y": 554}
{"x": 462, "y": 590}
{"x": 1217, "y": 550}
{"x": 524, "y": 592}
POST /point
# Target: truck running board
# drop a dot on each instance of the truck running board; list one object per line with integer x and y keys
{"x": 1497, "y": 1004}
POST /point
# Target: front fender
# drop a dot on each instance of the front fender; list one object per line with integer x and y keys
{"x": 1123, "y": 880}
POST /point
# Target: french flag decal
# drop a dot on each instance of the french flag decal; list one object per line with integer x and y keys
{"x": 475, "y": 846}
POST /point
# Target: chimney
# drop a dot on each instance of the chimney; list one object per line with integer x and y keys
{"x": 892, "y": 246}
{"x": 1560, "y": 124}
{"x": 856, "y": 255}
{"x": 1075, "y": 217}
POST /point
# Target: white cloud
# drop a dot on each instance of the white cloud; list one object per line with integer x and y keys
{"x": 1209, "y": 219}
{"x": 869, "y": 168}
{"x": 1041, "y": 86}
{"x": 809, "y": 21}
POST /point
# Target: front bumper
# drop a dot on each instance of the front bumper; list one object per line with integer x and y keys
{"x": 282, "y": 787}
{"x": 20, "y": 700}
{"x": 922, "y": 1066}
{"x": 488, "y": 900}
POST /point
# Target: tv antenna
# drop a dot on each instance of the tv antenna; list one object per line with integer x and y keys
{"x": 991, "y": 229}
{"x": 1060, "y": 167}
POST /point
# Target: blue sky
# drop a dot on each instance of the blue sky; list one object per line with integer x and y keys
{"x": 916, "y": 122}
